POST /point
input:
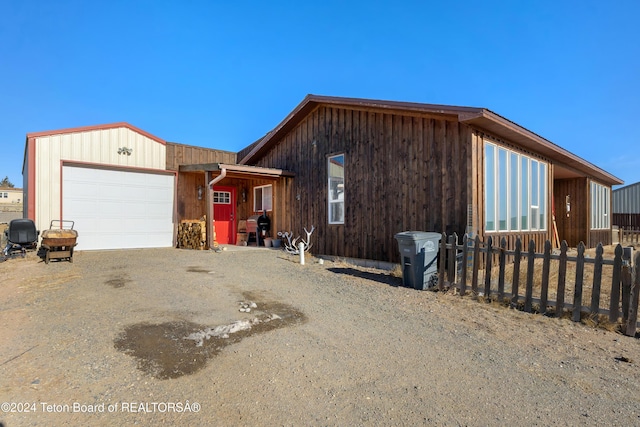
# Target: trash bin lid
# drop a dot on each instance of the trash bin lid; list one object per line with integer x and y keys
{"x": 417, "y": 236}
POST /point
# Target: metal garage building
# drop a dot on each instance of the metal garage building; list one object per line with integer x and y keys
{"x": 110, "y": 179}
{"x": 626, "y": 206}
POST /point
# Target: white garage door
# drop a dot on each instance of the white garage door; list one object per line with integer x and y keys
{"x": 115, "y": 209}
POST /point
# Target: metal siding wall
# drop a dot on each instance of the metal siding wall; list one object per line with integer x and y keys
{"x": 97, "y": 146}
{"x": 627, "y": 199}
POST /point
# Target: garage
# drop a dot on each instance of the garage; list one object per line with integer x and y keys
{"x": 118, "y": 208}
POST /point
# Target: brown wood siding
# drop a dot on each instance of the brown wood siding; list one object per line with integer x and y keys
{"x": 572, "y": 226}
{"x": 401, "y": 173}
{"x": 476, "y": 182}
{"x": 188, "y": 205}
{"x": 600, "y": 236}
{"x": 178, "y": 154}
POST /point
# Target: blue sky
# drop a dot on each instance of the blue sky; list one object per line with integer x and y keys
{"x": 221, "y": 74}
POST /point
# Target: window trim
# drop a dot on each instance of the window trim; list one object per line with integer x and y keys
{"x": 340, "y": 199}
{"x": 498, "y": 214}
{"x": 262, "y": 207}
{"x": 600, "y": 205}
{"x": 224, "y": 200}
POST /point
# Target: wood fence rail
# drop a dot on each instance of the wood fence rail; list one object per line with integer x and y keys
{"x": 461, "y": 265}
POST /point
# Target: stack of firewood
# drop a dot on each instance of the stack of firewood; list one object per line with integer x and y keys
{"x": 192, "y": 234}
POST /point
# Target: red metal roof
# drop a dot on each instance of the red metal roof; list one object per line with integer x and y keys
{"x": 96, "y": 127}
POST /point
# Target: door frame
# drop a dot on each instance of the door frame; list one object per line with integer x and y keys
{"x": 232, "y": 192}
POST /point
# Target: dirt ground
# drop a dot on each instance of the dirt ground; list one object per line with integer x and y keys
{"x": 156, "y": 336}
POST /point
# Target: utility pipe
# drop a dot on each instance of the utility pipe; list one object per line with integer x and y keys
{"x": 223, "y": 174}
{"x": 301, "y": 249}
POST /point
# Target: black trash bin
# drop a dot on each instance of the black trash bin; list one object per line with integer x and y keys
{"x": 418, "y": 257}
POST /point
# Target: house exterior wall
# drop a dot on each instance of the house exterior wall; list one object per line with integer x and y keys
{"x": 47, "y": 153}
{"x": 179, "y": 154}
{"x": 596, "y": 236}
{"x": 402, "y": 172}
{"x": 10, "y": 196}
{"x": 572, "y": 224}
{"x": 405, "y": 171}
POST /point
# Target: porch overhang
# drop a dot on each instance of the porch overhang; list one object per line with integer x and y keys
{"x": 237, "y": 171}
{"x": 217, "y": 172}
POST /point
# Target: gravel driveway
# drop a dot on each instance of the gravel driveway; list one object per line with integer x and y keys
{"x": 156, "y": 336}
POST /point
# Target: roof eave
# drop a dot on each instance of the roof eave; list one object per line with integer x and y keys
{"x": 236, "y": 168}
{"x": 511, "y": 131}
{"x": 310, "y": 102}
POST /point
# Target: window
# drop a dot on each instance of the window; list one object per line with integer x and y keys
{"x": 262, "y": 198}
{"x": 600, "y": 201}
{"x": 222, "y": 197}
{"x": 336, "y": 189}
{"x": 515, "y": 191}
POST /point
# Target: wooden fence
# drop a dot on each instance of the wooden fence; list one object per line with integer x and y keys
{"x": 461, "y": 265}
{"x": 629, "y": 235}
{"x": 626, "y": 220}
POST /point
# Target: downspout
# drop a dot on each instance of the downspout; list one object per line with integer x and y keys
{"x": 223, "y": 174}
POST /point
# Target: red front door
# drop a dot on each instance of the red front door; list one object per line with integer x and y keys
{"x": 224, "y": 213}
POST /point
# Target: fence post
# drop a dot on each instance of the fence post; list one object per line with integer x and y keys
{"x": 487, "y": 270}
{"x": 476, "y": 266}
{"x": 443, "y": 257}
{"x": 597, "y": 280}
{"x": 528, "y": 299}
{"x": 451, "y": 268}
{"x": 562, "y": 278}
{"x": 626, "y": 283}
{"x": 503, "y": 262}
{"x": 517, "y": 256}
{"x": 577, "y": 291}
{"x": 620, "y": 234}
{"x": 546, "y": 265}
{"x": 465, "y": 254}
{"x": 635, "y": 292}
{"x": 614, "y": 304}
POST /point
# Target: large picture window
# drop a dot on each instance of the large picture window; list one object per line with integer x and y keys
{"x": 600, "y": 201}
{"x": 262, "y": 198}
{"x": 515, "y": 191}
{"x": 336, "y": 189}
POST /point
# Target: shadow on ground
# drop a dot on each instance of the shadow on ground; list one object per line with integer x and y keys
{"x": 376, "y": 277}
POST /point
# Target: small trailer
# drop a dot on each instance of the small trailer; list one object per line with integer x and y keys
{"x": 59, "y": 242}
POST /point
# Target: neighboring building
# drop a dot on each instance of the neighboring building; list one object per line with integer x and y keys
{"x": 10, "y": 195}
{"x": 626, "y": 206}
{"x": 110, "y": 180}
{"x": 366, "y": 170}
{"x": 358, "y": 170}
